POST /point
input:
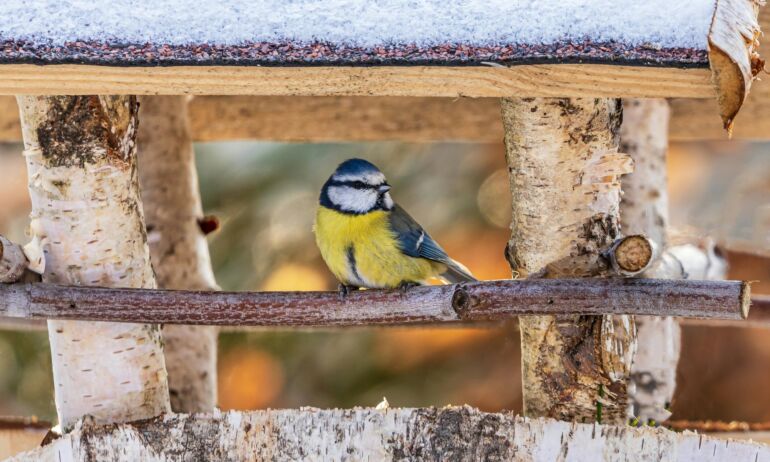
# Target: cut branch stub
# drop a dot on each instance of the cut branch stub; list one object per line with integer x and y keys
{"x": 631, "y": 255}
{"x": 734, "y": 61}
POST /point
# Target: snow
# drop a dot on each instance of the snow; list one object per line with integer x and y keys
{"x": 363, "y": 23}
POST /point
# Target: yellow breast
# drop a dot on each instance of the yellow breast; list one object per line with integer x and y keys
{"x": 362, "y": 250}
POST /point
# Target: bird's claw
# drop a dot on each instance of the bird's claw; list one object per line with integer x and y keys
{"x": 345, "y": 289}
{"x": 405, "y": 286}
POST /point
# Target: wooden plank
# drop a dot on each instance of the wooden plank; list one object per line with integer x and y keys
{"x": 471, "y": 302}
{"x": 548, "y": 80}
{"x": 421, "y": 119}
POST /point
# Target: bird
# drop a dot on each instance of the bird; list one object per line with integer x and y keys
{"x": 369, "y": 241}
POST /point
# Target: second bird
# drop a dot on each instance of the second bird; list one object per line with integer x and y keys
{"x": 367, "y": 240}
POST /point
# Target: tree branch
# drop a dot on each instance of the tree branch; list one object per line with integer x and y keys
{"x": 480, "y": 301}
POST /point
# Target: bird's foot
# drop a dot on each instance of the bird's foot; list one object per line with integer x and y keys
{"x": 406, "y": 285}
{"x": 345, "y": 289}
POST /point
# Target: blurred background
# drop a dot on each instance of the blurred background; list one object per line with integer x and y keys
{"x": 265, "y": 196}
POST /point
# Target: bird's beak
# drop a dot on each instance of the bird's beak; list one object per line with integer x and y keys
{"x": 383, "y": 188}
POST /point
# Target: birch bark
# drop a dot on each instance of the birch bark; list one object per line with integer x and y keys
{"x": 87, "y": 222}
{"x": 644, "y": 210}
{"x": 452, "y": 433}
{"x": 564, "y": 170}
{"x": 180, "y": 254}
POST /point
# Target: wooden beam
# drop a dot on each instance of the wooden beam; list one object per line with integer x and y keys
{"x": 418, "y": 119}
{"x": 472, "y": 302}
{"x": 551, "y": 80}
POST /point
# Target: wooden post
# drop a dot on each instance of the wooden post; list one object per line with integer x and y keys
{"x": 180, "y": 256}
{"x": 644, "y": 210}
{"x": 565, "y": 169}
{"x": 87, "y": 220}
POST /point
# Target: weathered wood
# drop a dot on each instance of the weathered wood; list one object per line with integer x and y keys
{"x": 451, "y": 433}
{"x": 549, "y": 80}
{"x": 478, "y": 301}
{"x": 178, "y": 248}
{"x": 86, "y": 219}
{"x": 564, "y": 169}
{"x": 733, "y": 40}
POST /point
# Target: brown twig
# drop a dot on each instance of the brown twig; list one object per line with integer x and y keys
{"x": 480, "y": 301}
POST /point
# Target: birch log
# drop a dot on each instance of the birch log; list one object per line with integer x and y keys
{"x": 644, "y": 210}
{"x": 564, "y": 170}
{"x": 452, "y": 433}
{"x": 180, "y": 254}
{"x": 87, "y": 220}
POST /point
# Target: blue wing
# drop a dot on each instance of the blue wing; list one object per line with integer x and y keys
{"x": 415, "y": 242}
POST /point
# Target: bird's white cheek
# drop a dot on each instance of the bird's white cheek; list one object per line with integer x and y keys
{"x": 353, "y": 200}
{"x": 387, "y": 201}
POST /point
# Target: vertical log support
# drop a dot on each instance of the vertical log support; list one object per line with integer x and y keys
{"x": 180, "y": 255}
{"x": 644, "y": 210}
{"x": 565, "y": 170}
{"x": 87, "y": 222}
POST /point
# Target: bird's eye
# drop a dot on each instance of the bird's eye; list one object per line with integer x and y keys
{"x": 360, "y": 185}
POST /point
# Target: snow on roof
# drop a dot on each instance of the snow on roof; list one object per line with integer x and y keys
{"x": 545, "y": 26}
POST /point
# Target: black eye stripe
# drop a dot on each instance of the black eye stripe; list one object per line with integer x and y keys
{"x": 352, "y": 184}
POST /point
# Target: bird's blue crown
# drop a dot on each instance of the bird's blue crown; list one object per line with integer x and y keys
{"x": 356, "y": 167}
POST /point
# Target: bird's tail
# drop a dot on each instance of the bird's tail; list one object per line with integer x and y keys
{"x": 456, "y": 272}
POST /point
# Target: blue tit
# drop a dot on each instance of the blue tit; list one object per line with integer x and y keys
{"x": 369, "y": 241}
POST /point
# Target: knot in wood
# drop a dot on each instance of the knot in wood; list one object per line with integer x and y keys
{"x": 461, "y": 302}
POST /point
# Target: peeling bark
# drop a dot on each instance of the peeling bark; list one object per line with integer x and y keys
{"x": 733, "y": 40}
{"x": 452, "y": 433}
{"x": 87, "y": 221}
{"x": 565, "y": 173}
{"x": 180, "y": 255}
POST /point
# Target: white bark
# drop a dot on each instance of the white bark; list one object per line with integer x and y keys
{"x": 453, "y": 433}
{"x": 87, "y": 220}
{"x": 565, "y": 173}
{"x": 180, "y": 254}
{"x": 644, "y": 210}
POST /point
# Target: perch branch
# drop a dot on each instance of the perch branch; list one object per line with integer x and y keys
{"x": 480, "y": 301}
